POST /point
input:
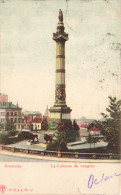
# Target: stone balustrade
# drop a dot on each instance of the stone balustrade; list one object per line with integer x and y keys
{"x": 58, "y": 154}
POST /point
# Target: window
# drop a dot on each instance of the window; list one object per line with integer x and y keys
{"x": 11, "y": 120}
{"x": 19, "y": 114}
{"x": 19, "y": 120}
{"x": 11, "y": 113}
{"x": 15, "y": 113}
{"x": 15, "y": 120}
{"x": 7, "y": 113}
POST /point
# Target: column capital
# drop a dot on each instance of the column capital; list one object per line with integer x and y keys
{"x": 60, "y": 35}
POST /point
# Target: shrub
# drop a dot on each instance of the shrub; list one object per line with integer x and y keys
{"x": 48, "y": 137}
{"x": 4, "y": 139}
{"x": 10, "y": 126}
{"x": 5, "y": 133}
{"x": 25, "y": 135}
{"x": 13, "y": 133}
{"x": 54, "y": 146}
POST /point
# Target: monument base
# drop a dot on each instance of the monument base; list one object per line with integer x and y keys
{"x": 57, "y": 113}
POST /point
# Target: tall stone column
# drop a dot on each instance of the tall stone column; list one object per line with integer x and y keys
{"x": 60, "y": 111}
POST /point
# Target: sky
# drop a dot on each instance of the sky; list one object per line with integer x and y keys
{"x": 28, "y": 53}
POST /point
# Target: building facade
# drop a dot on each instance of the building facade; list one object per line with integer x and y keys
{"x": 2, "y": 117}
{"x": 26, "y": 122}
{"x": 36, "y": 124}
{"x": 28, "y": 119}
{"x": 10, "y": 113}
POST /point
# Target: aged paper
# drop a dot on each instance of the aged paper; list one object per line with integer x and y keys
{"x": 27, "y": 75}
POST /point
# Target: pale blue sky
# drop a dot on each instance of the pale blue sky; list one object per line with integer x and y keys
{"x": 27, "y": 66}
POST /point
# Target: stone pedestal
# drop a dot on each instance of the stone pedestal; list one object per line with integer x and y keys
{"x": 60, "y": 111}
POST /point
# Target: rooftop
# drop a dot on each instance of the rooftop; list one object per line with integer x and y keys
{"x": 8, "y": 105}
{"x": 37, "y": 120}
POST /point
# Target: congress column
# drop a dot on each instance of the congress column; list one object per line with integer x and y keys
{"x": 60, "y": 37}
{"x": 60, "y": 109}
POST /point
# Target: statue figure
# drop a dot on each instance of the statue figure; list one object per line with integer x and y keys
{"x": 60, "y": 15}
{"x": 75, "y": 126}
{"x": 61, "y": 126}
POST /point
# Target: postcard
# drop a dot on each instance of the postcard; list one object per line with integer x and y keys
{"x": 60, "y": 100}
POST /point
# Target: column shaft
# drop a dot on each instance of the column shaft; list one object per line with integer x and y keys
{"x": 60, "y": 72}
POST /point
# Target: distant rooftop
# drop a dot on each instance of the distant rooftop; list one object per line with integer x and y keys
{"x": 8, "y": 105}
{"x": 37, "y": 120}
{"x": 31, "y": 112}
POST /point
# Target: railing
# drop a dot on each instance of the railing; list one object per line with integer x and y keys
{"x": 71, "y": 155}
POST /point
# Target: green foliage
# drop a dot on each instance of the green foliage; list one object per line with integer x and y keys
{"x": 54, "y": 146}
{"x": 111, "y": 127}
{"x": 23, "y": 135}
{"x": 95, "y": 140}
{"x": 4, "y": 139}
{"x": 10, "y": 127}
{"x": 65, "y": 133}
{"x": 1, "y": 126}
{"x": 44, "y": 125}
{"x": 13, "y": 133}
{"x": 48, "y": 137}
{"x": 72, "y": 135}
{"x": 90, "y": 139}
{"x": 59, "y": 141}
{"x": 60, "y": 138}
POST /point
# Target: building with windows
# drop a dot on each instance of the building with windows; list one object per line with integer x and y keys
{"x": 26, "y": 122}
{"x": 28, "y": 117}
{"x": 3, "y": 117}
{"x": 36, "y": 123}
{"x": 10, "y": 113}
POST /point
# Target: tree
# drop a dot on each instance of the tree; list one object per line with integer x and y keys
{"x": 59, "y": 142}
{"x": 90, "y": 139}
{"x": 60, "y": 136}
{"x": 44, "y": 124}
{"x": 111, "y": 126}
{"x": 48, "y": 138}
{"x": 95, "y": 140}
{"x": 61, "y": 139}
{"x": 10, "y": 127}
{"x": 31, "y": 126}
{"x": 2, "y": 126}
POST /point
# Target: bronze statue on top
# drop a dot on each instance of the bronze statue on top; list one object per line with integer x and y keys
{"x": 60, "y": 15}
